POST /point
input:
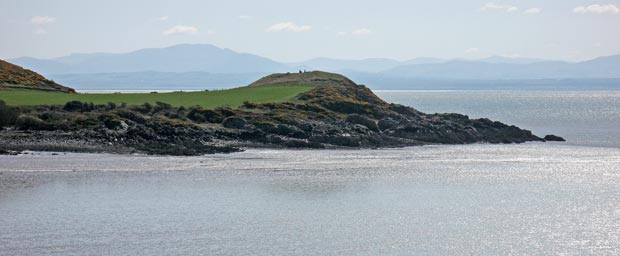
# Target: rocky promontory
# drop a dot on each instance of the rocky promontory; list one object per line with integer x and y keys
{"x": 335, "y": 113}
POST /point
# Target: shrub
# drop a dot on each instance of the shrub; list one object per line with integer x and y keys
{"x": 73, "y": 106}
{"x": 248, "y": 104}
{"x": 27, "y": 122}
{"x": 159, "y": 106}
{"x": 145, "y": 108}
{"x": 51, "y": 116}
{"x": 198, "y": 114}
{"x": 8, "y": 115}
{"x": 110, "y": 121}
{"x": 131, "y": 116}
{"x": 83, "y": 121}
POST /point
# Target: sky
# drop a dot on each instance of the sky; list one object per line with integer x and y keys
{"x": 290, "y": 30}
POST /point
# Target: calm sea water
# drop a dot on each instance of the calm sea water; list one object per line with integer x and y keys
{"x": 533, "y": 198}
{"x": 589, "y": 118}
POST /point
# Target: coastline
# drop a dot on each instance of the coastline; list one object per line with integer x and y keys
{"x": 333, "y": 112}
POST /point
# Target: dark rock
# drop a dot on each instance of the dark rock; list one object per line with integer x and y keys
{"x": 198, "y": 114}
{"x": 553, "y": 138}
{"x": 403, "y": 110}
{"x": 285, "y": 129}
{"x": 303, "y": 144}
{"x": 274, "y": 139}
{"x": 387, "y": 124}
{"x": 234, "y": 122}
{"x": 362, "y": 120}
{"x": 138, "y": 118}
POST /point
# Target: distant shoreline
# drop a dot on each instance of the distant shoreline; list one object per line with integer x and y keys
{"x": 83, "y": 82}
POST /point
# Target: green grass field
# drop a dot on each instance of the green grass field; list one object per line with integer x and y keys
{"x": 207, "y": 99}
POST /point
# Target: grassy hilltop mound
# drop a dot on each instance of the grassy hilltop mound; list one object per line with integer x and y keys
{"x": 330, "y": 112}
{"x": 313, "y": 78}
{"x": 16, "y": 77}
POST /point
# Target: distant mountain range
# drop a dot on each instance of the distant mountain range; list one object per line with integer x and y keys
{"x": 207, "y": 66}
{"x": 179, "y": 58}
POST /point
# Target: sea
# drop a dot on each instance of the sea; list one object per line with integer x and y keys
{"x": 554, "y": 198}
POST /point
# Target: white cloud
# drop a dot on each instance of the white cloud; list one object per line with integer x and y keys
{"x": 42, "y": 20}
{"x": 361, "y": 31}
{"x": 162, "y": 18}
{"x": 356, "y": 32}
{"x": 472, "y": 50}
{"x": 597, "y": 9}
{"x": 179, "y": 30}
{"x": 499, "y": 7}
{"x": 512, "y": 9}
{"x": 533, "y": 11}
{"x": 288, "y": 26}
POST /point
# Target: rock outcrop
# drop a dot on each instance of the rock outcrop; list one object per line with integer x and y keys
{"x": 552, "y": 137}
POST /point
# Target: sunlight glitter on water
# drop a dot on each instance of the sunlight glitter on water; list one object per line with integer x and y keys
{"x": 532, "y": 198}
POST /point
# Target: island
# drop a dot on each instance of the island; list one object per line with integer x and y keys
{"x": 317, "y": 110}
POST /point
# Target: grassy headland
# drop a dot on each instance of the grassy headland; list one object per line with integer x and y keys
{"x": 293, "y": 110}
{"x": 206, "y": 99}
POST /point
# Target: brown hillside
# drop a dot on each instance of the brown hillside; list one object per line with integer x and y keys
{"x": 16, "y": 77}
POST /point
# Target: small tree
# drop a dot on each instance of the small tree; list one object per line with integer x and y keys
{"x": 74, "y": 105}
{"x": 8, "y": 115}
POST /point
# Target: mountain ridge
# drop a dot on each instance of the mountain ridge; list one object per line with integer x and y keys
{"x": 177, "y": 58}
{"x": 84, "y": 70}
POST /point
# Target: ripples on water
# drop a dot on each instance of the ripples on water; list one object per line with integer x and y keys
{"x": 533, "y": 198}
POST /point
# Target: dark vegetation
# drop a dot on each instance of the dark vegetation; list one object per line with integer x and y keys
{"x": 8, "y": 115}
{"x": 335, "y": 113}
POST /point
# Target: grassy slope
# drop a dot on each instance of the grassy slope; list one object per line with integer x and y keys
{"x": 210, "y": 99}
{"x": 13, "y": 76}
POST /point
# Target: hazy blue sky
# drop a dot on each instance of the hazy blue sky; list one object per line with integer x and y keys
{"x": 288, "y": 30}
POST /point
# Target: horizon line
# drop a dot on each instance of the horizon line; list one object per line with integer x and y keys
{"x": 319, "y": 57}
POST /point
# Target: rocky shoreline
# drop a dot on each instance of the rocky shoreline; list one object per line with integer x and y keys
{"x": 336, "y": 113}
